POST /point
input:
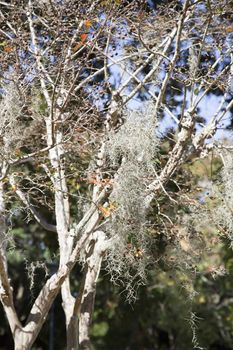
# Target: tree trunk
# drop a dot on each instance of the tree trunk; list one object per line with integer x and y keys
{"x": 93, "y": 264}
{"x": 62, "y": 211}
{"x": 21, "y": 343}
{"x": 72, "y": 334}
{"x": 78, "y": 331}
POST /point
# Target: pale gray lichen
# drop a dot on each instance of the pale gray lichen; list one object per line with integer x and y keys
{"x": 11, "y": 129}
{"x": 223, "y": 194}
{"x": 133, "y": 150}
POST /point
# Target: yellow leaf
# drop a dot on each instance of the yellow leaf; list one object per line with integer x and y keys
{"x": 138, "y": 254}
{"x": 14, "y": 188}
{"x": 107, "y": 211}
{"x": 88, "y": 23}
{"x": 229, "y": 29}
{"x": 202, "y": 299}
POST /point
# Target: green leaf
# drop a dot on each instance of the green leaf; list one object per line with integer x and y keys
{"x": 100, "y": 329}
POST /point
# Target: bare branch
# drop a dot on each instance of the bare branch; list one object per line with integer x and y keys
{"x": 37, "y": 216}
{"x": 175, "y": 56}
{"x": 38, "y": 55}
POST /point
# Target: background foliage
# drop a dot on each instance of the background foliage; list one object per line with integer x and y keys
{"x": 187, "y": 301}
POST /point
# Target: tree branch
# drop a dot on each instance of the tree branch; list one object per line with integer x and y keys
{"x": 5, "y": 288}
{"x": 37, "y": 216}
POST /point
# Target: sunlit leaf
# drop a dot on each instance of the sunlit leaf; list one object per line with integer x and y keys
{"x": 8, "y": 49}
{"x": 14, "y": 188}
{"x": 107, "y": 211}
{"x": 229, "y": 29}
{"x": 83, "y": 37}
{"x": 88, "y": 23}
{"x": 77, "y": 47}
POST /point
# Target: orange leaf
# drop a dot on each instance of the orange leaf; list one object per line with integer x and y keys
{"x": 92, "y": 179}
{"x": 141, "y": 14}
{"x": 107, "y": 181}
{"x": 88, "y": 23}
{"x": 8, "y": 49}
{"x": 76, "y": 47}
{"x": 107, "y": 211}
{"x": 83, "y": 37}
